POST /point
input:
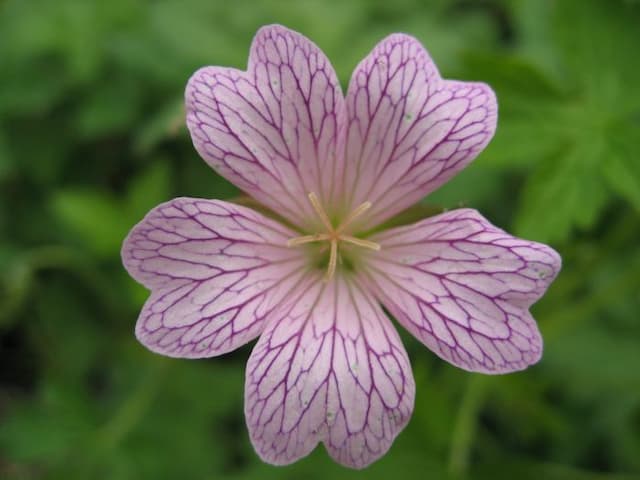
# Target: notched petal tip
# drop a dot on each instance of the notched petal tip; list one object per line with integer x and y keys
{"x": 130, "y": 259}
{"x": 272, "y": 130}
{"x": 409, "y": 129}
{"x": 215, "y": 270}
{"x": 482, "y": 96}
{"x": 329, "y": 368}
{"x": 464, "y": 287}
{"x": 275, "y": 28}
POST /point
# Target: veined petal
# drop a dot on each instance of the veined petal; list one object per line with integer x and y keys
{"x": 463, "y": 287}
{"x": 409, "y": 130}
{"x": 329, "y": 368}
{"x": 272, "y": 130}
{"x": 215, "y": 269}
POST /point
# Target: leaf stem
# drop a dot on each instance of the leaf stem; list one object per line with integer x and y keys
{"x": 466, "y": 423}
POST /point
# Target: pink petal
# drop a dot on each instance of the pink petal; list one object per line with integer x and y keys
{"x": 463, "y": 287}
{"x": 272, "y": 130}
{"x": 215, "y": 269}
{"x": 331, "y": 368}
{"x": 409, "y": 131}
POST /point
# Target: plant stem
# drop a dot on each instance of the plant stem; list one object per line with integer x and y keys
{"x": 466, "y": 423}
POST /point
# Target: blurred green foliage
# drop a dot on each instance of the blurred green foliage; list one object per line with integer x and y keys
{"x": 92, "y": 136}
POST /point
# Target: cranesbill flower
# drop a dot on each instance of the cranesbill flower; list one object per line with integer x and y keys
{"x": 308, "y": 271}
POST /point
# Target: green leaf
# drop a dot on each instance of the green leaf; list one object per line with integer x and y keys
{"x": 621, "y": 167}
{"x": 607, "y": 353}
{"x": 575, "y": 137}
{"x": 15, "y": 279}
{"x": 598, "y": 41}
{"x": 564, "y": 191}
{"x": 530, "y": 123}
{"x": 93, "y": 217}
{"x": 110, "y": 106}
{"x": 45, "y": 431}
{"x": 512, "y": 75}
{"x": 148, "y": 189}
{"x": 165, "y": 124}
{"x": 475, "y": 187}
{"x": 6, "y": 161}
{"x": 528, "y": 470}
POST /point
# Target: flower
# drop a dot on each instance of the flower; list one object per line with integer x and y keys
{"x": 310, "y": 280}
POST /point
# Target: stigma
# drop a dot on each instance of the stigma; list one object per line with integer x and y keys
{"x": 334, "y": 235}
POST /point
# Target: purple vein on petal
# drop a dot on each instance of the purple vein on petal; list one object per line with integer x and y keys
{"x": 273, "y": 130}
{"x": 463, "y": 287}
{"x": 408, "y": 129}
{"x": 334, "y": 371}
{"x": 216, "y": 270}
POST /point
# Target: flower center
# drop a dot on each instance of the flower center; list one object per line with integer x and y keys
{"x": 334, "y": 235}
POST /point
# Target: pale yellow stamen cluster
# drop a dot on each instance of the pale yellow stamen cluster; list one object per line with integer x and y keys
{"x": 334, "y": 235}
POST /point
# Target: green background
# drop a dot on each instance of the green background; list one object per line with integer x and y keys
{"x": 92, "y": 136}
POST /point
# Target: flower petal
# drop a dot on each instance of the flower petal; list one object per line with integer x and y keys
{"x": 216, "y": 270}
{"x": 463, "y": 287}
{"x": 272, "y": 130}
{"x": 409, "y": 130}
{"x": 329, "y": 368}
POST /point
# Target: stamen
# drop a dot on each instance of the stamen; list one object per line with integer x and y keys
{"x": 333, "y": 260}
{"x": 333, "y": 235}
{"x": 317, "y": 206}
{"x": 360, "y": 242}
{"x": 359, "y": 210}
{"x": 316, "y": 237}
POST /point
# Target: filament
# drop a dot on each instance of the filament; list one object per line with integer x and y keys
{"x": 333, "y": 260}
{"x": 334, "y": 235}
{"x": 317, "y": 237}
{"x": 360, "y": 242}
{"x": 359, "y": 210}
{"x": 317, "y": 206}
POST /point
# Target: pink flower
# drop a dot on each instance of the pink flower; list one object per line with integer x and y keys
{"x": 329, "y": 365}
